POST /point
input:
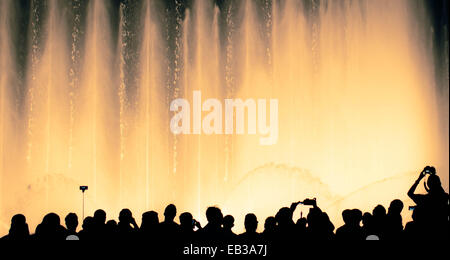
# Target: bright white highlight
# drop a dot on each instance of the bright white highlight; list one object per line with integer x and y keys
{"x": 212, "y": 123}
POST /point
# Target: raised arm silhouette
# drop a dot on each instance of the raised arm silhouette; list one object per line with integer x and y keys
{"x": 432, "y": 207}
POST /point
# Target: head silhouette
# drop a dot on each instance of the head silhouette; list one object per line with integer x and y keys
{"x": 19, "y": 227}
{"x": 366, "y": 218}
{"x": 18, "y": 220}
{"x": 228, "y": 222}
{"x": 149, "y": 218}
{"x": 186, "y": 221}
{"x": 356, "y": 216}
{"x": 347, "y": 216}
{"x": 284, "y": 216}
{"x": 379, "y": 212}
{"x": 111, "y": 224}
{"x": 100, "y": 216}
{"x": 313, "y": 218}
{"x": 368, "y": 225}
{"x": 51, "y": 220}
{"x": 270, "y": 224}
{"x": 110, "y": 229}
{"x": 434, "y": 183}
{"x": 395, "y": 207}
{"x": 71, "y": 221}
{"x": 88, "y": 223}
{"x": 214, "y": 216}
{"x": 125, "y": 216}
{"x": 170, "y": 212}
{"x": 251, "y": 223}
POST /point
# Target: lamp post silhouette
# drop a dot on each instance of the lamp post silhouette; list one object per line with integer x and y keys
{"x": 83, "y": 189}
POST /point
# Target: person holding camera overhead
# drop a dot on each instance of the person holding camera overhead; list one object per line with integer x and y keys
{"x": 433, "y": 206}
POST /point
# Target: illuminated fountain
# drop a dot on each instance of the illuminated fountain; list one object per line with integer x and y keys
{"x": 86, "y": 88}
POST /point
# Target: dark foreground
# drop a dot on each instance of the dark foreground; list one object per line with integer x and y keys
{"x": 281, "y": 232}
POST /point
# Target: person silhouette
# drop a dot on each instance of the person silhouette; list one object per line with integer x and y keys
{"x": 127, "y": 228}
{"x": 149, "y": 226}
{"x": 342, "y": 232}
{"x": 100, "y": 216}
{"x": 394, "y": 222}
{"x": 50, "y": 228}
{"x": 250, "y": 236}
{"x": 319, "y": 225}
{"x": 187, "y": 225}
{"x": 285, "y": 224}
{"x": 379, "y": 221}
{"x": 18, "y": 229}
{"x": 351, "y": 230}
{"x": 169, "y": 230}
{"x": 417, "y": 229}
{"x": 367, "y": 228}
{"x": 98, "y": 227}
{"x": 71, "y": 221}
{"x": 327, "y": 227}
{"x": 434, "y": 205}
{"x": 270, "y": 229}
{"x": 228, "y": 224}
{"x": 87, "y": 232}
{"x": 300, "y": 228}
{"x": 111, "y": 230}
{"x": 213, "y": 231}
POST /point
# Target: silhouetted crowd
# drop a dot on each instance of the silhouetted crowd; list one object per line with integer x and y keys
{"x": 430, "y": 221}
